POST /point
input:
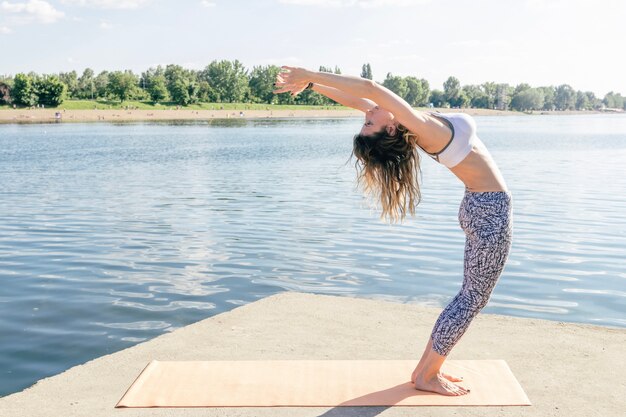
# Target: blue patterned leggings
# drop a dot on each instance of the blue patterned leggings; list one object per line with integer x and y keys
{"x": 486, "y": 219}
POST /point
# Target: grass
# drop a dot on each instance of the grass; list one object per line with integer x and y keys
{"x": 147, "y": 105}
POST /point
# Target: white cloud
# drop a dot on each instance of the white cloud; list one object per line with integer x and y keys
{"x": 108, "y": 4}
{"x": 5, "y": 30}
{"x": 366, "y": 4}
{"x": 370, "y": 4}
{"x": 208, "y": 4}
{"x": 576, "y": 6}
{"x": 33, "y": 10}
{"x": 395, "y": 43}
{"x": 466, "y": 43}
{"x": 105, "y": 25}
{"x": 324, "y": 3}
{"x": 553, "y": 4}
{"x": 475, "y": 43}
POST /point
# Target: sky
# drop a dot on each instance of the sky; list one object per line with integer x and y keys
{"x": 539, "y": 42}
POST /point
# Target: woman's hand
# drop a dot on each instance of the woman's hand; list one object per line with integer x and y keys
{"x": 291, "y": 79}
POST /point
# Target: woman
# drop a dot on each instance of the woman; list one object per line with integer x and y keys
{"x": 388, "y": 163}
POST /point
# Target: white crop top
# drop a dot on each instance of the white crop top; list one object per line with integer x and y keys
{"x": 464, "y": 136}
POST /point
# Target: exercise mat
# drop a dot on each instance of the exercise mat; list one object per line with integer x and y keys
{"x": 315, "y": 383}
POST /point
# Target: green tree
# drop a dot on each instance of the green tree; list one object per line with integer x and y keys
{"x": 228, "y": 80}
{"x": 523, "y": 98}
{"x": 23, "y": 90}
{"x": 476, "y": 96}
{"x": 594, "y": 102}
{"x": 86, "y": 85}
{"x": 490, "y": 89}
{"x": 417, "y": 91}
{"x": 582, "y": 101}
{"x": 147, "y": 76}
{"x": 527, "y": 99}
{"x": 503, "y": 96}
{"x": 366, "y": 71}
{"x": 396, "y": 84}
{"x": 452, "y": 92}
{"x": 193, "y": 88}
{"x": 262, "y": 83}
{"x": 50, "y": 91}
{"x": 285, "y": 98}
{"x": 101, "y": 85}
{"x": 205, "y": 92}
{"x": 521, "y": 87}
{"x": 438, "y": 98}
{"x": 70, "y": 79}
{"x": 154, "y": 83}
{"x": 464, "y": 100}
{"x": 173, "y": 73}
{"x": 613, "y": 100}
{"x": 422, "y": 100}
{"x": 179, "y": 91}
{"x": 311, "y": 98}
{"x": 183, "y": 85}
{"x": 548, "y": 97}
{"x": 565, "y": 97}
{"x": 157, "y": 89}
{"x": 122, "y": 84}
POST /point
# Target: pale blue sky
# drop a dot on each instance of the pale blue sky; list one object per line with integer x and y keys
{"x": 541, "y": 42}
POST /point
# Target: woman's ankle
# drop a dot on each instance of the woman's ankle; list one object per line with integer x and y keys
{"x": 427, "y": 374}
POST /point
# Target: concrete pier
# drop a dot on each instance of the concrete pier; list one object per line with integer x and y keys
{"x": 568, "y": 370}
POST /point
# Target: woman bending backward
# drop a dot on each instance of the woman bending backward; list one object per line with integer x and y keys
{"x": 388, "y": 168}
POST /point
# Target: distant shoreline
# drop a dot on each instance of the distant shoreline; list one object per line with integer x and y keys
{"x": 52, "y": 115}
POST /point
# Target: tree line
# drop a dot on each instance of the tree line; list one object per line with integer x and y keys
{"x": 230, "y": 82}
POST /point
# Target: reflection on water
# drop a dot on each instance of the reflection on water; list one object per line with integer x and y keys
{"x": 111, "y": 234}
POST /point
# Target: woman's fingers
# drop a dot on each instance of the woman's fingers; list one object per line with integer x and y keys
{"x": 295, "y": 89}
{"x": 288, "y": 81}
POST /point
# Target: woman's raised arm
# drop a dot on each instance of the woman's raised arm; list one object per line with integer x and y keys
{"x": 344, "y": 98}
{"x": 295, "y": 80}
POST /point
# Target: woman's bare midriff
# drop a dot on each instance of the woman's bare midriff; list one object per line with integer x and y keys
{"x": 479, "y": 172}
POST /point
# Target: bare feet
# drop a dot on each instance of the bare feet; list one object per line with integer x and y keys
{"x": 427, "y": 375}
{"x": 452, "y": 378}
{"x": 443, "y": 374}
{"x": 440, "y": 385}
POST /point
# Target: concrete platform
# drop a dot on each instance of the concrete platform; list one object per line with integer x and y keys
{"x": 567, "y": 370}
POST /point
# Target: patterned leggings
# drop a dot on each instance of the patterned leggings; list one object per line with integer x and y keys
{"x": 486, "y": 219}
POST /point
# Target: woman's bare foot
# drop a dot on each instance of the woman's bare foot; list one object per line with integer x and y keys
{"x": 443, "y": 374}
{"x": 427, "y": 375}
{"x": 439, "y": 385}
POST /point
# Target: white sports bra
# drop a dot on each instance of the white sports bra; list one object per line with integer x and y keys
{"x": 463, "y": 137}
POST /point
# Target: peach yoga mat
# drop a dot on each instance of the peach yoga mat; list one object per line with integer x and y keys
{"x": 314, "y": 383}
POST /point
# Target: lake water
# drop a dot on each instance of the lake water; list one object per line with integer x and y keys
{"x": 112, "y": 234}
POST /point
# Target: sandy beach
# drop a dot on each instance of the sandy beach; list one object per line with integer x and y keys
{"x": 45, "y": 115}
{"x": 122, "y": 115}
{"x": 52, "y": 115}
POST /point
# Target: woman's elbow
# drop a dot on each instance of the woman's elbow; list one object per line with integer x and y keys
{"x": 376, "y": 92}
{"x": 370, "y": 87}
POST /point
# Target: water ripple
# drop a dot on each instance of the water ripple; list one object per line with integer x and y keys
{"x": 113, "y": 234}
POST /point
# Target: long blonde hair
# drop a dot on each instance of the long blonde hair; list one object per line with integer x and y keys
{"x": 388, "y": 170}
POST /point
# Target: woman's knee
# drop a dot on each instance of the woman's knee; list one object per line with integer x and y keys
{"x": 474, "y": 301}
